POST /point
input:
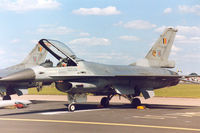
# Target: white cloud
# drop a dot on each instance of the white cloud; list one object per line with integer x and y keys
{"x": 162, "y": 28}
{"x": 55, "y": 30}
{"x": 91, "y": 41}
{"x": 129, "y": 38}
{"x": 114, "y": 55}
{"x": 112, "y": 58}
{"x": 188, "y": 40}
{"x": 192, "y": 56}
{"x": 110, "y": 10}
{"x": 175, "y": 48}
{"x": 182, "y": 30}
{"x": 28, "y": 5}
{"x": 180, "y": 37}
{"x": 185, "y": 34}
{"x": 138, "y": 24}
{"x": 167, "y": 10}
{"x": 120, "y": 23}
{"x": 190, "y": 9}
{"x": 2, "y": 52}
{"x": 15, "y": 41}
{"x": 189, "y": 30}
{"x": 34, "y": 41}
{"x": 84, "y": 34}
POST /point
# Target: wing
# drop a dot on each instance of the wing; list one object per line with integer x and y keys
{"x": 116, "y": 77}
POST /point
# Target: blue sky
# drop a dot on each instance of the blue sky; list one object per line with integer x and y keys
{"x": 105, "y": 31}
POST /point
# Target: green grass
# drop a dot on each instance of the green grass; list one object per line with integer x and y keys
{"x": 47, "y": 90}
{"x": 181, "y": 90}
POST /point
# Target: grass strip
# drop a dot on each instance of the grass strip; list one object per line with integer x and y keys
{"x": 181, "y": 90}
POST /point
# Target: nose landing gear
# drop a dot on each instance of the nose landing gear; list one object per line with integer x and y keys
{"x": 71, "y": 107}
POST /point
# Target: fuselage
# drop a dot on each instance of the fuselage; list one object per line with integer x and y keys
{"x": 89, "y": 77}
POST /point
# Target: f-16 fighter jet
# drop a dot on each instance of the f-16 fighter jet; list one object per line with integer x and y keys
{"x": 78, "y": 77}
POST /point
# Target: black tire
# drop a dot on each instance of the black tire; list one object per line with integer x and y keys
{"x": 7, "y": 97}
{"x": 136, "y": 102}
{"x": 71, "y": 107}
{"x": 105, "y": 102}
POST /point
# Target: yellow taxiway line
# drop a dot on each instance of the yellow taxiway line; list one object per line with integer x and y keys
{"x": 99, "y": 123}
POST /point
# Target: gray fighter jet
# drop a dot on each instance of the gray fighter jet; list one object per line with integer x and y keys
{"x": 78, "y": 77}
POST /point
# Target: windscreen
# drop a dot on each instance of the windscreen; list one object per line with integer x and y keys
{"x": 58, "y": 49}
{"x": 62, "y": 48}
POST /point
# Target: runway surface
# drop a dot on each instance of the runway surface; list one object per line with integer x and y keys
{"x": 53, "y": 117}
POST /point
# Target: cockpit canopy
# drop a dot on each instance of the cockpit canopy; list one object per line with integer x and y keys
{"x": 60, "y": 51}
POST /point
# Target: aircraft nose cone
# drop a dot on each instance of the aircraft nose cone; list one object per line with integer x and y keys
{"x": 24, "y": 75}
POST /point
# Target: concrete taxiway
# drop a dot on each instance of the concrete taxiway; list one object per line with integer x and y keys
{"x": 52, "y": 116}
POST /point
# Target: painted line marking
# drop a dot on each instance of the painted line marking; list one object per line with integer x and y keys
{"x": 64, "y": 112}
{"x": 100, "y": 123}
{"x": 161, "y": 117}
{"x": 186, "y": 114}
{"x": 54, "y": 113}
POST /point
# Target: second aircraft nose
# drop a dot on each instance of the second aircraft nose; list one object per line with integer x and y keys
{"x": 23, "y": 75}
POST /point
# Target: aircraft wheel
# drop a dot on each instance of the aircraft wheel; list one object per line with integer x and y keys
{"x": 71, "y": 107}
{"x": 6, "y": 97}
{"x": 136, "y": 102}
{"x": 105, "y": 102}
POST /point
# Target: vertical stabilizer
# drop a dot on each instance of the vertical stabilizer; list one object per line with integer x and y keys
{"x": 161, "y": 49}
{"x": 36, "y": 56}
{"x": 159, "y": 53}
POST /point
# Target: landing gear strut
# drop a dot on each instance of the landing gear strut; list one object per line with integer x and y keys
{"x": 135, "y": 102}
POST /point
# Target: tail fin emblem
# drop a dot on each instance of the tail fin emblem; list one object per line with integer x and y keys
{"x": 154, "y": 52}
{"x": 40, "y": 49}
{"x": 165, "y": 41}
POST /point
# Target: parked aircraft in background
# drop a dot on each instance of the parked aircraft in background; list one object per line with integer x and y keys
{"x": 78, "y": 77}
{"x": 12, "y": 104}
{"x": 193, "y": 78}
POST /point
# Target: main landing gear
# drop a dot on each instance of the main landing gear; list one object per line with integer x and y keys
{"x": 105, "y": 101}
{"x": 135, "y": 102}
{"x": 6, "y": 97}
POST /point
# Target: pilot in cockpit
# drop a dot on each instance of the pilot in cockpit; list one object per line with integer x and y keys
{"x": 62, "y": 62}
{"x": 66, "y": 62}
